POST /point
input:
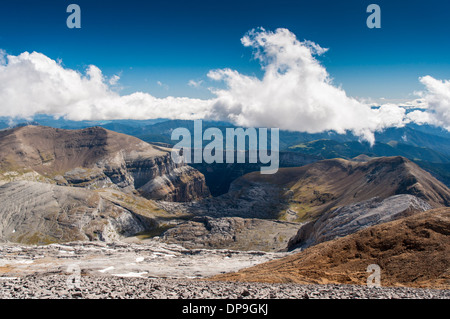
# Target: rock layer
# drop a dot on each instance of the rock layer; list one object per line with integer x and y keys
{"x": 231, "y": 233}
{"x": 96, "y": 158}
{"x": 349, "y": 219}
{"x": 41, "y": 213}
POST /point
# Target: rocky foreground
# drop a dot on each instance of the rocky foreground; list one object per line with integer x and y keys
{"x": 412, "y": 251}
{"x": 99, "y": 287}
{"x": 156, "y": 270}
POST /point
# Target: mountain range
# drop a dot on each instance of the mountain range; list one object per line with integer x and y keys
{"x": 334, "y": 202}
{"x": 426, "y": 145}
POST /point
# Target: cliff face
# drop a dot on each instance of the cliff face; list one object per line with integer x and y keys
{"x": 96, "y": 158}
{"x": 317, "y": 188}
{"x": 349, "y": 219}
{"x": 42, "y": 213}
{"x": 38, "y": 213}
{"x": 231, "y": 233}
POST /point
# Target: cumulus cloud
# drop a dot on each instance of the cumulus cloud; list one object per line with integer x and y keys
{"x": 32, "y": 83}
{"x": 164, "y": 86}
{"x": 2, "y": 57}
{"x": 437, "y": 100}
{"x": 295, "y": 93}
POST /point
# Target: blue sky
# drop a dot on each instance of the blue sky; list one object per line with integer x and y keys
{"x": 175, "y": 41}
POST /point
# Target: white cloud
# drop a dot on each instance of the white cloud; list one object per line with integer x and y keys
{"x": 164, "y": 86}
{"x": 32, "y": 83}
{"x": 114, "y": 79}
{"x": 295, "y": 93}
{"x": 437, "y": 100}
{"x": 2, "y": 57}
{"x": 195, "y": 84}
{"x": 416, "y": 103}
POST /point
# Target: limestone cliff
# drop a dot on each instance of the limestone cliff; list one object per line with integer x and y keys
{"x": 349, "y": 219}
{"x": 96, "y": 158}
{"x": 42, "y": 213}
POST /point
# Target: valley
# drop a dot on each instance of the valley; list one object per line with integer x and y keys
{"x": 118, "y": 207}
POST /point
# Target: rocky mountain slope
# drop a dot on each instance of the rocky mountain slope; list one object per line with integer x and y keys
{"x": 314, "y": 189}
{"x": 349, "y": 219}
{"x": 413, "y": 251}
{"x": 94, "y": 184}
{"x": 96, "y": 158}
{"x": 41, "y": 213}
{"x": 325, "y": 194}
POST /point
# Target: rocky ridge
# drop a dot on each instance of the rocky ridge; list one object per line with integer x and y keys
{"x": 349, "y": 219}
{"x": 96, "y": 158}
{"x": 307, "y": 192}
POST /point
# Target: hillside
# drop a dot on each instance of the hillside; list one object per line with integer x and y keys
{"x": 96, "y": 158}
{"x": 314, "y": 189}
{"x": 336, "y": 198}
{"x": 40, "y": 213}
{"x": 413, "y": 252}
{"x": 349, "y": 219}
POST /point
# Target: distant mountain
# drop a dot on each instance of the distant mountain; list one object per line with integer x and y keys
{"x": 440, "y": 171}
{"x": 414, "y": 142}
{"x": 126, "y": 126}
{"x": 422, "y": 136}
{"x": 219, "y": 176}
{"x": 427, "y": 145}
{"x": 425, "y": 136}
{"x": 432, "y": 161}
{"x": 22, "y": 124}
{"x": 327, "y": 149}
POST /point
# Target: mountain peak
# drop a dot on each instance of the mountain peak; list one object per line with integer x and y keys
{"x": 95, "y": 157}
{"x": 316, "y": 188}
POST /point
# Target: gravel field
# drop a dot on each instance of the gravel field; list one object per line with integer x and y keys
{"x": 157, "y": 271}
{"x": 98, "y": 287}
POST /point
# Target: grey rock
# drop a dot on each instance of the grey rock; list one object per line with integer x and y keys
{"x": 231, "y": 233}
{"x": 41, "y": 286}
{"x": 39, "y": 213}
{"x": 349, "y": 219}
